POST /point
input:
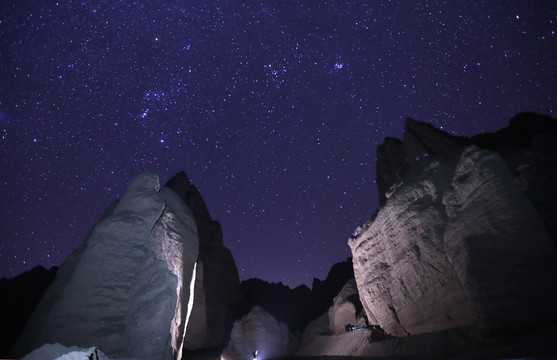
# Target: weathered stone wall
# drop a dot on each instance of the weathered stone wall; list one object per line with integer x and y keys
{"x": 455, "y": 244}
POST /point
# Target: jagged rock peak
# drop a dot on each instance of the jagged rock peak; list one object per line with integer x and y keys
{"x": 180, "y": 184}
{"x": 396, "y": 157}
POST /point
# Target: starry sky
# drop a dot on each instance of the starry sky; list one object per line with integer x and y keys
{"x": 273, "y": 108}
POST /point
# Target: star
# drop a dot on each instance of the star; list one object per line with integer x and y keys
{"x": 274, "y": 112}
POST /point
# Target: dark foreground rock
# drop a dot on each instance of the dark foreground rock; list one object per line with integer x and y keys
{"x": 19, "y": 298}
{"x": 295, "y": 307}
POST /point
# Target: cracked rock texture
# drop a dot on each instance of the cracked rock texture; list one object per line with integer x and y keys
{"x": 456, "y": 243}
{"x": 217, "y": 283}
{"x": 128, "y": 288}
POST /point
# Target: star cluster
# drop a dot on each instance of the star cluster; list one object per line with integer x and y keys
{"x": 274, "y": 109}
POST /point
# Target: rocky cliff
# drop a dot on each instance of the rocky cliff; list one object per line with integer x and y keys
{"x": 132, "y": 288}
{"x": 217, "y": 283}
{"x": 465, "y": 234}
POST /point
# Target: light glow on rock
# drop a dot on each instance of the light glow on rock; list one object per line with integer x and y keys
{"x": 188, "y": 314}
{"x": 190, "y": 301}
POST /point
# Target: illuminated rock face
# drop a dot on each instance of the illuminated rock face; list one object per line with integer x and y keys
{"x": 455, "y": 244}
{"x": 113, "y": 292}
{"x": 129, "y": 288}
{"x": 259, "y": 331}
{"x": 174, "y": 239}
{"x": 217, "y": 282}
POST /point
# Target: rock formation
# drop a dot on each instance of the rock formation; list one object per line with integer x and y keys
{"x": 295, "y": 307}
{"x": 217, "y": 284}
{"x": 61, "y": 352}
{"x": 327, "y": 328}
{"x": 259, "y": 331}
{"x": 345, "y": 309}
{"x": 404, "y": 279}
{"x": 128, "y": 289}
{"x": 498, "y": 245}
{"x": 460, "y": 240}
{"x": 395, "y": 157}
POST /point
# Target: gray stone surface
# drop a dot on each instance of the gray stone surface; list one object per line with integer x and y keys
{"x": 455, "y": 244}
{"x": 119, "y": 291}
{"x": 174, "y": 239}
{"x": 405, "y": 281}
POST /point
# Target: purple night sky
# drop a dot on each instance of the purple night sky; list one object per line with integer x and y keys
{"x": 273, "y": 109}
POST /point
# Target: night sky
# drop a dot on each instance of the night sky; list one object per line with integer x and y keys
{"x": 273, "y": 108}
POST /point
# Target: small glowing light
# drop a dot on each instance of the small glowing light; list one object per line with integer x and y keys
{"x": 338, "y": 66}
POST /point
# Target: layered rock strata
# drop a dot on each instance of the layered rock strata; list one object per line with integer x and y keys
{"x": 536, "y": 133}
{"x": 456, "y": 243}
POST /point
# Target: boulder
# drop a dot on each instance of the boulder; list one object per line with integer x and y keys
{"x": 259, "y": 331}
{"x": 292, "y": 307}
{"x": 323, "y": 335}
{"x": 345, "y": 309}
{"x": 317, "y": 328}
{"x": 405, "y": 281}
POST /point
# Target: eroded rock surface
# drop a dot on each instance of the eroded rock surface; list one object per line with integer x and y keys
{"x": 498, "y": 245}
{"x": 452, "y": 241}
{"x": 396, "y": 157}
{"x": 129, "y": 288}
{"x": 112, "y": 292}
